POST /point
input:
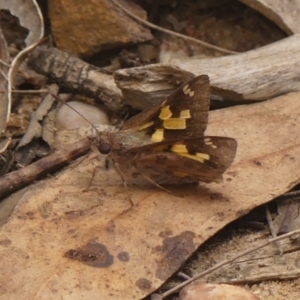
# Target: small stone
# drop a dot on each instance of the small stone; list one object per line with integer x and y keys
{"x": 68, "y": 118}
{"x": 208, "y": 291}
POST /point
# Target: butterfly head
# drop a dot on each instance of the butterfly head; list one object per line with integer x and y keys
{"x": 104, "y": 148}
{"x": 106, "y": 143}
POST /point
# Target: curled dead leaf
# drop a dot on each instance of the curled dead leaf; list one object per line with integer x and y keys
{"x": 63, "y": 215}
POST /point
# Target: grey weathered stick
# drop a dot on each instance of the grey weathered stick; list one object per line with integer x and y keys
{"x": 259, "y": 74}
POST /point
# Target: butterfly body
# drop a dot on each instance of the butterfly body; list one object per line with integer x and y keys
{"x": 166, "y": 144}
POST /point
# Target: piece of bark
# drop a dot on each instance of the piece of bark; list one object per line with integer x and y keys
{"x": 74, "y": 74}
{"x": 35, "y": 128}
{"x": 99, "y": 25}
{"x": 38, "y": 138}
{"x": 254, "y": 75}
{"x": 285, "y": 14}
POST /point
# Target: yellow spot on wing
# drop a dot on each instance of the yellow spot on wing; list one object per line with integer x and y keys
{"x": 197, "y": 156}
{"x": 158, "y": 135}
{"x": 204, "y": 156}
{"x": 179, "y": 148}
{"x": 174, "y": 123}
{"x": 183, "y": 151}
{"x": 165, "y": 113}
{"x": 185, "y": 114}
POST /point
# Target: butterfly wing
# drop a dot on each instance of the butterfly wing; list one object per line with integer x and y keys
{"x": 193, "y": 159}
{"x": 182, "y": 114}
{"x": 166, "y": 143}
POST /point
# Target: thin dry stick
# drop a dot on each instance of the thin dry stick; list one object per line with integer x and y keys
{"x": 41, "y": 91}
{"x": 4, "y": 63}
{"x": 4, "y": 145}
{"x": 172, "y": 32}
{"x": 272, "y": 229}
{"x": 184, "y": 276}
{"x": 3, "y": 74}
{"x": 226, "y": 262}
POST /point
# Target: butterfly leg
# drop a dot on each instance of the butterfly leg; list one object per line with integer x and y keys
{"x": 156, "y": 184}
{"x": 151, "y": 180}
{"x": 117, "y": 168}
{"x": 95, "y": 170}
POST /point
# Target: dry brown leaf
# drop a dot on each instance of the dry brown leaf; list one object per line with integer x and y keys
{"x": 123, "y": 252}
{"x": 30, "y": 17}
{"x": 283, "y": 13}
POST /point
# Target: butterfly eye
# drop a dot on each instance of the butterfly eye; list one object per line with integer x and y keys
{"x": 104, "y": 148}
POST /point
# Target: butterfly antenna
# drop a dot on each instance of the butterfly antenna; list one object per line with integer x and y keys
{"x": 82, "y": 116}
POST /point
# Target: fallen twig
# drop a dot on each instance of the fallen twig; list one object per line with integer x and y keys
{"x": 16, "y": 180}
{"x": 41, "y": 91}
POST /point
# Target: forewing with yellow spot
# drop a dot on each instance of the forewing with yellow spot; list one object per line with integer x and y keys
{"x": 183, "y": 114}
